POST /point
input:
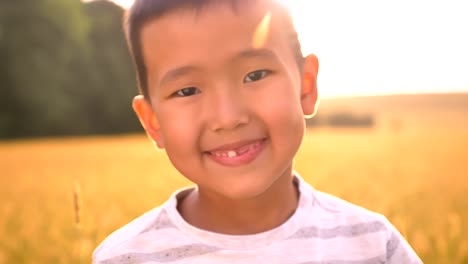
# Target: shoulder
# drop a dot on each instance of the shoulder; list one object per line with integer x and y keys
{"x": 352, "y": 227}
{"x": 330, "y": 211}
{"x": 154, "y": 230}
{"x": 340, "y": 210}
{"x": 352, "y": 221}
{"x": 126, "y": 234}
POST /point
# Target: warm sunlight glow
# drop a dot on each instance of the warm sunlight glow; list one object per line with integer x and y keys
{"x": 124, "y": 3}
{"x": 380, "y": 47}
{"x": 261, "y": 34}
{"x": 370, "y": 47}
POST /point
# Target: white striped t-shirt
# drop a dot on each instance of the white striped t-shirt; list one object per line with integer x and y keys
{"x": 323, "y": 230}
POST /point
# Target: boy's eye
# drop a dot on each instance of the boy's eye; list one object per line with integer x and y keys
{"x": 256, "y": 75}
{"x": 189, "y": 91}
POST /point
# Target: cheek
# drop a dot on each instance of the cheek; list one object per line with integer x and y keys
{"x": 281, "y": 103}
{"x": 178, "y": 130}
{"x": 181, "y": 143}
{"x": 282, "y": 113}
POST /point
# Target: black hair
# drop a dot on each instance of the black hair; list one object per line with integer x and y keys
{"x": 143, "y": 11}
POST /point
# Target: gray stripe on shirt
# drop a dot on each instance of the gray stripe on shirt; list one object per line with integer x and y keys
{"x": 374, "y": 260}
{"x": 161, "y": 222}
{"x": 392, "y": 246}
{"x": 339, "y": 231}
{"x": 167, "y": 255}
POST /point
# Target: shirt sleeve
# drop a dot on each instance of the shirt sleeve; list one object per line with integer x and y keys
{"x": 398, "y": 249}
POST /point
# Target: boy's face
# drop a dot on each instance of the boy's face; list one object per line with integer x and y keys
{"x": 230, "y": 117}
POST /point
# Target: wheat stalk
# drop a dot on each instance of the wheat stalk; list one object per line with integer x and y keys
{"x": 77, "y": 203}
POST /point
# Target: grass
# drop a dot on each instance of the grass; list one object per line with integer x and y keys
{"x": 61, "y": 197}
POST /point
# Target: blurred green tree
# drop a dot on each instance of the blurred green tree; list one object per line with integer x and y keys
{"x": 112, "y": 71}
{"x": 40, "y": 40}
{"x": 65, "y": 69}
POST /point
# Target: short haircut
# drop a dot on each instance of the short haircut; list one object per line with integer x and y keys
{"x": 143, "y": 11}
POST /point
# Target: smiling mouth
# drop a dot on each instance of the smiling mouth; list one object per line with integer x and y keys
{"x": 237, "y": 153}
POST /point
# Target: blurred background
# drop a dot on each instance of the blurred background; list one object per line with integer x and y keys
{"x": 391, "y": 132}
{"x": 65, "y": 69}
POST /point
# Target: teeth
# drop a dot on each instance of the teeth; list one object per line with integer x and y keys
{"x": 229, "y": 153}
{"x": 235, "y": 153}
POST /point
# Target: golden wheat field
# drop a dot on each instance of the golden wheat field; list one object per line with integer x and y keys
{"x": 60, "y": 197}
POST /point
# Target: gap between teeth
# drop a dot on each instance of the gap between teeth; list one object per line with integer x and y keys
{"x": 233, "y": 153}
{"x": 230, "y": 153}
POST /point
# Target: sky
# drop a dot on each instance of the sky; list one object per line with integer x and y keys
{"x": 373, "y": 47}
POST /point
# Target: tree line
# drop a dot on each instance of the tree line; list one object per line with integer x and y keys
{"x": 65, "y": 69}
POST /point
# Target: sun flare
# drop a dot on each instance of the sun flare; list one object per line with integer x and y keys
{"x": 369, "y": 47}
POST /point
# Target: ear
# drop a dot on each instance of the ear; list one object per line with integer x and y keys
{"x": 148, "y": 119}
{"x": 309, "y": 95}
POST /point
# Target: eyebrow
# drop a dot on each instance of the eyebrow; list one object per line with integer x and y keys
{"x": 252, "y": 53}
{"x": 178, "y": 72}
{"x": 244, "y": 54}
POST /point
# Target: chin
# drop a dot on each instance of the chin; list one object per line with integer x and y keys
{"x": 244, "y": 191}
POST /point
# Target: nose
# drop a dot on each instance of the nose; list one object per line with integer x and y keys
{"x": 228, "y": 111}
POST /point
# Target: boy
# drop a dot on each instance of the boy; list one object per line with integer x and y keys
{"x": 225, "y": 89}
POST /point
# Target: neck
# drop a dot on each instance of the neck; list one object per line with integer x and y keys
{"x": 240, "y": 217}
